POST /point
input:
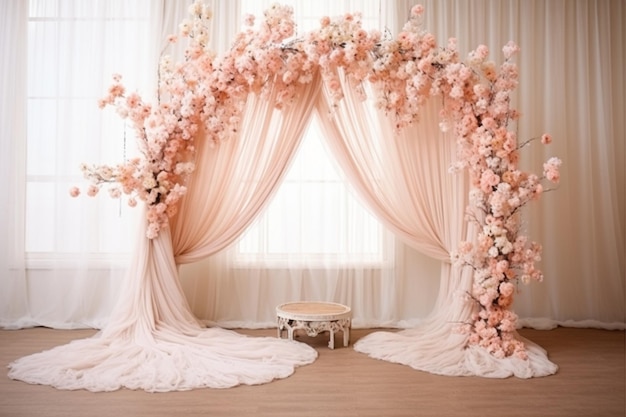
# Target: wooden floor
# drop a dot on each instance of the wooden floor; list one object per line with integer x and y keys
{"x": 342, "y": 382}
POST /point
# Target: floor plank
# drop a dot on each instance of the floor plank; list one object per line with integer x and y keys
{"x": 590, "y": 382}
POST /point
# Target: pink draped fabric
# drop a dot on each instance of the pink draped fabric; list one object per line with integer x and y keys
{"x": 217, "y": 207}
{"x": 404, "y": 178}
{"x": 153, "y": 342}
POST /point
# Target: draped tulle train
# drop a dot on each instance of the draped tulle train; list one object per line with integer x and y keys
{"x": 154, "y": 343}
{"x": 436, "y": 346}
{"x": 443, "y": 352}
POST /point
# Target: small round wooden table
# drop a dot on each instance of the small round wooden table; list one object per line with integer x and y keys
{"x": 315, "y": 317}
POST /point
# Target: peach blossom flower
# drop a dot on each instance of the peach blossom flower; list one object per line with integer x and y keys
{"x": 153, "y": 230}
{"x": 417, "y": 10}
{"x": 116, "y": 90}
{"x": 115, "y": 192}
{"x": 92, "y": 190}
{"x": 551, "y": 169}
{"x": 510, "y": 49}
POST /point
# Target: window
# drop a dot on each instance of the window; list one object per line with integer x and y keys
{"x": 314, "y": 216}
{"x": 74, "y": 47}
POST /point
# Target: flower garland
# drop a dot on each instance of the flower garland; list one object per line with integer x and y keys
{"x": 501, "y": 255}
{"x": 210, "y": 92}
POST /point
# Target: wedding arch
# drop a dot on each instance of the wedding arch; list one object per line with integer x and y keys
{"x": 215, "y": 114}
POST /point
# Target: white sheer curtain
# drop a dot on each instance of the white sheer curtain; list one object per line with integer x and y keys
{"x": 63, "y": 259}
{"x": 571, "y": 85}
{"x": 576, "y": 90}
{"x": 13, "y": 46}
{"x": 59, "y": 249}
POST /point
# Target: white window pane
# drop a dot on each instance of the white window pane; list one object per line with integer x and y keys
{"x": 74, "y": 48}
{"x": 41, "y": 158}
{"x": 40, "y": 217}
{"x": 43, "y": 54}
{"x": 41, "y": 9}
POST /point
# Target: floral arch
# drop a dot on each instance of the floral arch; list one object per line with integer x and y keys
{"x": 209, "y": 111}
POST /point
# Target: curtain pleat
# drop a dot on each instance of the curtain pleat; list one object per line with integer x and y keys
{"x": 219, "y": 206}
{"x": 404, "y": 178}
{"x": 14, "y": 301}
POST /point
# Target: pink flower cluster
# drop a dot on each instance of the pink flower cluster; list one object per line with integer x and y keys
{"x": 164, "y": 132}
{"x": 410, "y": 68}
{"x": 259, "y": 58}
{"x": 501, "y": 255}
{"x": 164, "y": 139}
{"x": 341, "y": 43}
{"x": 203, "y": 97}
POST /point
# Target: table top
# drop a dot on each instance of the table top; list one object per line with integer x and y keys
{"x": 313, "y": 311}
